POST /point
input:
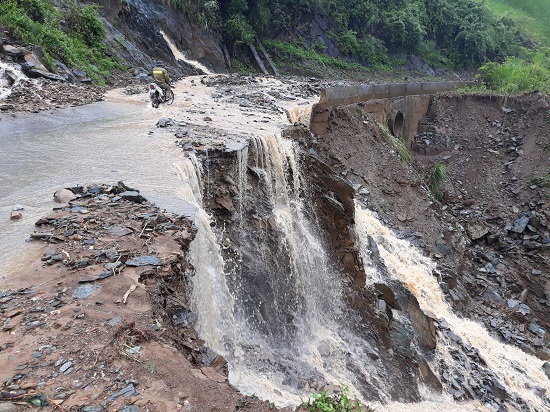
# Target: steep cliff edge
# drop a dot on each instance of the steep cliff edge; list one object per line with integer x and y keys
{"x": 135, "y": 35}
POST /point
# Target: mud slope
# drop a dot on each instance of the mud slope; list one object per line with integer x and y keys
{"x": 497, "y": 155}
{"x": 490, "y": 235}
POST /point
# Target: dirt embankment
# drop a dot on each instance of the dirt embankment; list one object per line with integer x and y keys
{"x": 101, "y": 322}
{"x": 491, "y": 233}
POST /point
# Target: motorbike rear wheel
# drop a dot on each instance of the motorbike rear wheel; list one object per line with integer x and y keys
{"x": 169, "y": 99}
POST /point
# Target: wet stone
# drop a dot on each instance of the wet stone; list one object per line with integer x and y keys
{"x": 519, "y": 225}
{"x": 132, "y": 196}
{"x": 126, "y": 391}
{"x": 119, "y": 231}
{"x": 114, "y": 321}
{"x": 65, "y": 367}
{"x": 524, "y": 309}
{"x": 143, "y": 261}
{"x": 165, "y": 122}
{"x": 536, "y": 329}
{"x": 131, "y": 408}
{"x": 85, "y": 291}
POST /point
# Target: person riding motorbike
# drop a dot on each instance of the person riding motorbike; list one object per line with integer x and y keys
{"x": 160, "y": 77}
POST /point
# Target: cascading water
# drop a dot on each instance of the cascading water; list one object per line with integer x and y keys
{"x": 212, "y": 302}
{"x": 519, "y": 372}
{"x": 281, "y": 322}
{"x": 181, "y": 56}
{"x": 10, "y": 77}
{"x": 276, "y": 313}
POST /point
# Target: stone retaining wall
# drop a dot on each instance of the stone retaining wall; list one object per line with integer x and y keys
{"x": 405, "y": 102}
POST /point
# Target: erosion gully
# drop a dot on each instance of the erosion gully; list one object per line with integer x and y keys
{"x": 117, "y": 140}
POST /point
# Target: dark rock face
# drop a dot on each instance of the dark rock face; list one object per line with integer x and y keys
{"x": 134, "y": 31}
{"x": 256, "y": 252}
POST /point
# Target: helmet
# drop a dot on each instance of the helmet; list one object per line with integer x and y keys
{"x": 159, "y": 63}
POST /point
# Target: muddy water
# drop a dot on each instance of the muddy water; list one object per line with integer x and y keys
{"x": 101, "y": 143}
{"x": 110, "y": 141}
{"x": 10, "y": 76}
{"x": 518, "y": 371}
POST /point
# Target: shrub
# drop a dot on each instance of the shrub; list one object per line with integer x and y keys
{"x": 517, "y": 76}
{"x": 337, "y": 402}
{"x": 80, "y": 45}
{"x": 84, "y": 23}
{"x": 437, "y": 179}
{"x": 398, "y": 144}
{"x": 542, "y": 181}
{"x": 238, "y": 30}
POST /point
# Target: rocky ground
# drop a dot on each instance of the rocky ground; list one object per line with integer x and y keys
{"x": 497, "y": 197}
{"x": 93, "y": 329}
{"x": 94, "y": 325}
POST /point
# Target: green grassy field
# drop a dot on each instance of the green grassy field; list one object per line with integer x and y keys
{"x": 534, "y": 15}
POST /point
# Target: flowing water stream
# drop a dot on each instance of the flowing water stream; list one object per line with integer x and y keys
{"x": 276, "y": 360}
{"x": 10, "y": 77}
{"x": 521, "y": 373}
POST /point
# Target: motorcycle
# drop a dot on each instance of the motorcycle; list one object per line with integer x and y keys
{"x": 156, "y": 94}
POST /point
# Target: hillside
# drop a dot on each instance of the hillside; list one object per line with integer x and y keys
{"x": 532, "y": 15}
{"x": 325, "y": 38}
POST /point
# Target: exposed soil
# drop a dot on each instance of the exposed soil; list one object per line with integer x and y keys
{"x": 81, "y": 351}
{"x": 79, "y": 328}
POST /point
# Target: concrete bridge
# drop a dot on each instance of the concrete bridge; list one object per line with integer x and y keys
{"x": 400, "y": 105}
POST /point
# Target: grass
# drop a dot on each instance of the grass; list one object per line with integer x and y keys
{"x": 436, "y": 181}
{"x": 532, "y": 15}
{"x": 542, "y": 181}
{"x": 518, "y": 76}
{"x": 398, "y": 144}
{"x": 74, "y": 37}
{"x": 337, "y": 402}
{"x": 296, "y": 56}
{"x": 150, "y": 367}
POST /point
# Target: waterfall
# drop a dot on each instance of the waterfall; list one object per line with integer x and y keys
{"x": 522, "y": 374}
{"x": 10, "y": 77}
{"x": 181, "y": 56}
{"x": 276, "y": 312}
{"x": 211, "y": 300}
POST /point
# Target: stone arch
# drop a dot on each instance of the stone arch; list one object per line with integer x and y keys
{"x": 396, "y": 122}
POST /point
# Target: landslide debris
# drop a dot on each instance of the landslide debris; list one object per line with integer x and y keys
{"x": 96, "y": 324}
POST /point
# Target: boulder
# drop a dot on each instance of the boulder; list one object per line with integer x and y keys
{"x": 35, "y": 73}
{"x": 32, "y": 62}
{"x": 520, "y": 224}
{"x": 63, "y": 196}
{"x": 477, "y": 229}
{"x": 12, "y": 50}
{"x": 132, "y": 196}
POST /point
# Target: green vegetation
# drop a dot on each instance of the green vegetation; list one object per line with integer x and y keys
{"x": 437, "y": 179}
{"x": 398, "y": 144}
{"x": 542, "y": 181}
{"x": 73, "y": 36}
{"x": 205, "y": 12}
{"x": 462, "y": 33}
{"x": 308, "y": 60}
{"x": 532, "y": 16}
{"x": 338, "y": 402}
{"x": 150, "y": 367}
{"x": 518, "y": 76}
